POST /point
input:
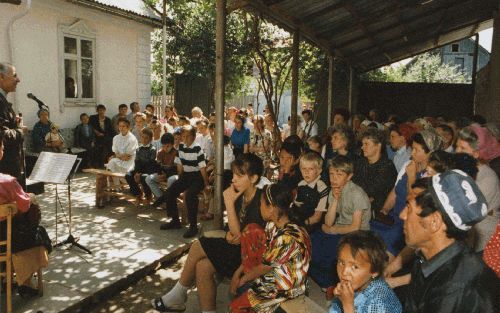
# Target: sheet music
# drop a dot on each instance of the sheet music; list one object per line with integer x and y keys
{"x": 53, "y": 167}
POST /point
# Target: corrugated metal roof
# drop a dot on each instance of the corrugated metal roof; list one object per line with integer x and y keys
{"x": 132, "y": 6}
{"x": 372, "y": 33}
{"x": 131, "y": 9}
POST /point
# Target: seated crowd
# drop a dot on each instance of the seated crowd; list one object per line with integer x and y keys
{"x": 384, "y": 217}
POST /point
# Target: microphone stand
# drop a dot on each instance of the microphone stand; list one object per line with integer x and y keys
{"x": 71, "y": 240}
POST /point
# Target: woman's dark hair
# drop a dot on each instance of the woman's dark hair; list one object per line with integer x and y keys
{"x": 441, "y": 161}
{"x": 124, "y": 120}
{"x": 429, "y": 204}
{"x": 371, "y": 244}
{"x": 248, "y": 164}
{"x": 241, "y": 118}
{"x": 466, "y": 163}
{"x": 100, "y": 106}
{"x": 418, "y": 138}
{"x": 167, "y": 138}
{"x": 293, "y": 145}
{"x": 298, "y": 211}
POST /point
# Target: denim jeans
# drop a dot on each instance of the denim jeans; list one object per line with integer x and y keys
{"x": 152, "y": 182}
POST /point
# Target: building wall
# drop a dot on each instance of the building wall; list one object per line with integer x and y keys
{"x": 122, "y": 58}
{"x": 465, "y": 51}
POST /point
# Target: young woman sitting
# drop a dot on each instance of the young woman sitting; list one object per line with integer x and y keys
{"x": 223, "y": 255}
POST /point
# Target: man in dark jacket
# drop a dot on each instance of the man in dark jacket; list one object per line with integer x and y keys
{"x": 448, "y": 277}
{"x": 12, "y": 134}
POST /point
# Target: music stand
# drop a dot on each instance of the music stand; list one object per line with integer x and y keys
{"x": 56, "y": 168}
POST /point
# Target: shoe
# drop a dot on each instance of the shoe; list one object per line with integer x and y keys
{"x": 27, "y": 292}
{"x": 158, "y": 202}
{"x": 158, "y": 305}
{"x": 191, "y": 232}
{"x": 171, "y": 225}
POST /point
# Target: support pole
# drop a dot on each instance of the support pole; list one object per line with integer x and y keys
{"x": 474, "y": 72}
{"x": 295, "y": 82}
{"x": 331, "y": 69}
{"x": 351, "y": 76}
{"x": 164, "y": 58}
{"x": 220, "y": 43}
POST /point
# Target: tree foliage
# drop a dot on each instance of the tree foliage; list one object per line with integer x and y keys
{"x": 191, "y": 45}
{"x": 425, "y": 68}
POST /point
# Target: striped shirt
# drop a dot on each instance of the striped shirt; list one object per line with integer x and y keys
{"x": 191, "y": 158}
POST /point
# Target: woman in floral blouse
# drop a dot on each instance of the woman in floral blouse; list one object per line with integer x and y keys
{"x": 283, "y": 271}
{"x": 260, "y": 139}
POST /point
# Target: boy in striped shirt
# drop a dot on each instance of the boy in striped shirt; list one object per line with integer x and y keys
{"x": 192, "y": 180}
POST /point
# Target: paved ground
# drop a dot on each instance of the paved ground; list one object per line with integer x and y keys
{"x": 127, "y": 251}
{"x": 125, "y": 241}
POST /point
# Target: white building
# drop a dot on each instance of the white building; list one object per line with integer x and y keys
{"x": 74, "y": 54}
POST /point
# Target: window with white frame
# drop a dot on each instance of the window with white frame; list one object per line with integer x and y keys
{"x": 78, "y": 64}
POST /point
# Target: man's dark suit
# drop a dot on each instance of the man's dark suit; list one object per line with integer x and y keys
{"x": 104, "y": 143}
{"x": 12, "y": 140}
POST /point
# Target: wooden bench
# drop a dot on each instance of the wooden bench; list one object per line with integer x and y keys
{"x": 302, "y": 304}
{"x": 103, "y": 193}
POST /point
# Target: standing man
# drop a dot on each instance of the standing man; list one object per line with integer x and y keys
{"x": 134, "y": 109}
{"x": 309, "y": 126}
{"x": 448, "y": 276}
{"x": 122, "y": 112}
{"x": 12, "y": 133}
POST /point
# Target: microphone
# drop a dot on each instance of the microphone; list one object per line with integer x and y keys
{"x": 41, "y": 105}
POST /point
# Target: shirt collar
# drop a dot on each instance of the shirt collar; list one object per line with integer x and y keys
{"x": 401, "y": 150}
{"x": 311, "y": 184}
{"x": 146, "y": 146}
{"x": 3, "y": 93}
{"x": 430, "y": 266}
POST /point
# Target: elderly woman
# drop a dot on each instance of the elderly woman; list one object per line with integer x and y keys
{"x": 29, "y": 252}
{"x": 390, "y": 229}
{"x": 40, "y": 130}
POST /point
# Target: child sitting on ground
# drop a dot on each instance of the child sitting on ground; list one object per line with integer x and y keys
{"x": 361, "y": 262}
{"x": 124, "y": 146}
{"x": 348, "y": 211}
{"x": 145, "y": 164}
{"x": 311, "y": 165}
{"x": 53, "y": 140}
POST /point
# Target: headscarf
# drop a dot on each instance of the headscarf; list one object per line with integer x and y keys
{"x": 488, "y": 146}
{"x": 432, "y": 139}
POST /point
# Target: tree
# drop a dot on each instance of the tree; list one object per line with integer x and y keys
{"x": 424, "y": 68}
{"x": 191, "y": 45}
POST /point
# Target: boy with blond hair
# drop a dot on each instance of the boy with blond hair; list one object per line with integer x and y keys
{"x": 311, "y": 165}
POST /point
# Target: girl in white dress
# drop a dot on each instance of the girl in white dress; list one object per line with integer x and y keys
{"x": 124, "y": 147}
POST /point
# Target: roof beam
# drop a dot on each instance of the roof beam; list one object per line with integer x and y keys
{"x": 324, "y": 11}
{"x": 357, "y": 62}
{"x": 287, "y": 22}
{"x": 365, "y": 30}
{"x": 432, "y": 25}
{"x": 374, "y": 19}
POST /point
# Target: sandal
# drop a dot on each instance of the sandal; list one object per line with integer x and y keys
{"x": 158, "y": 305}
